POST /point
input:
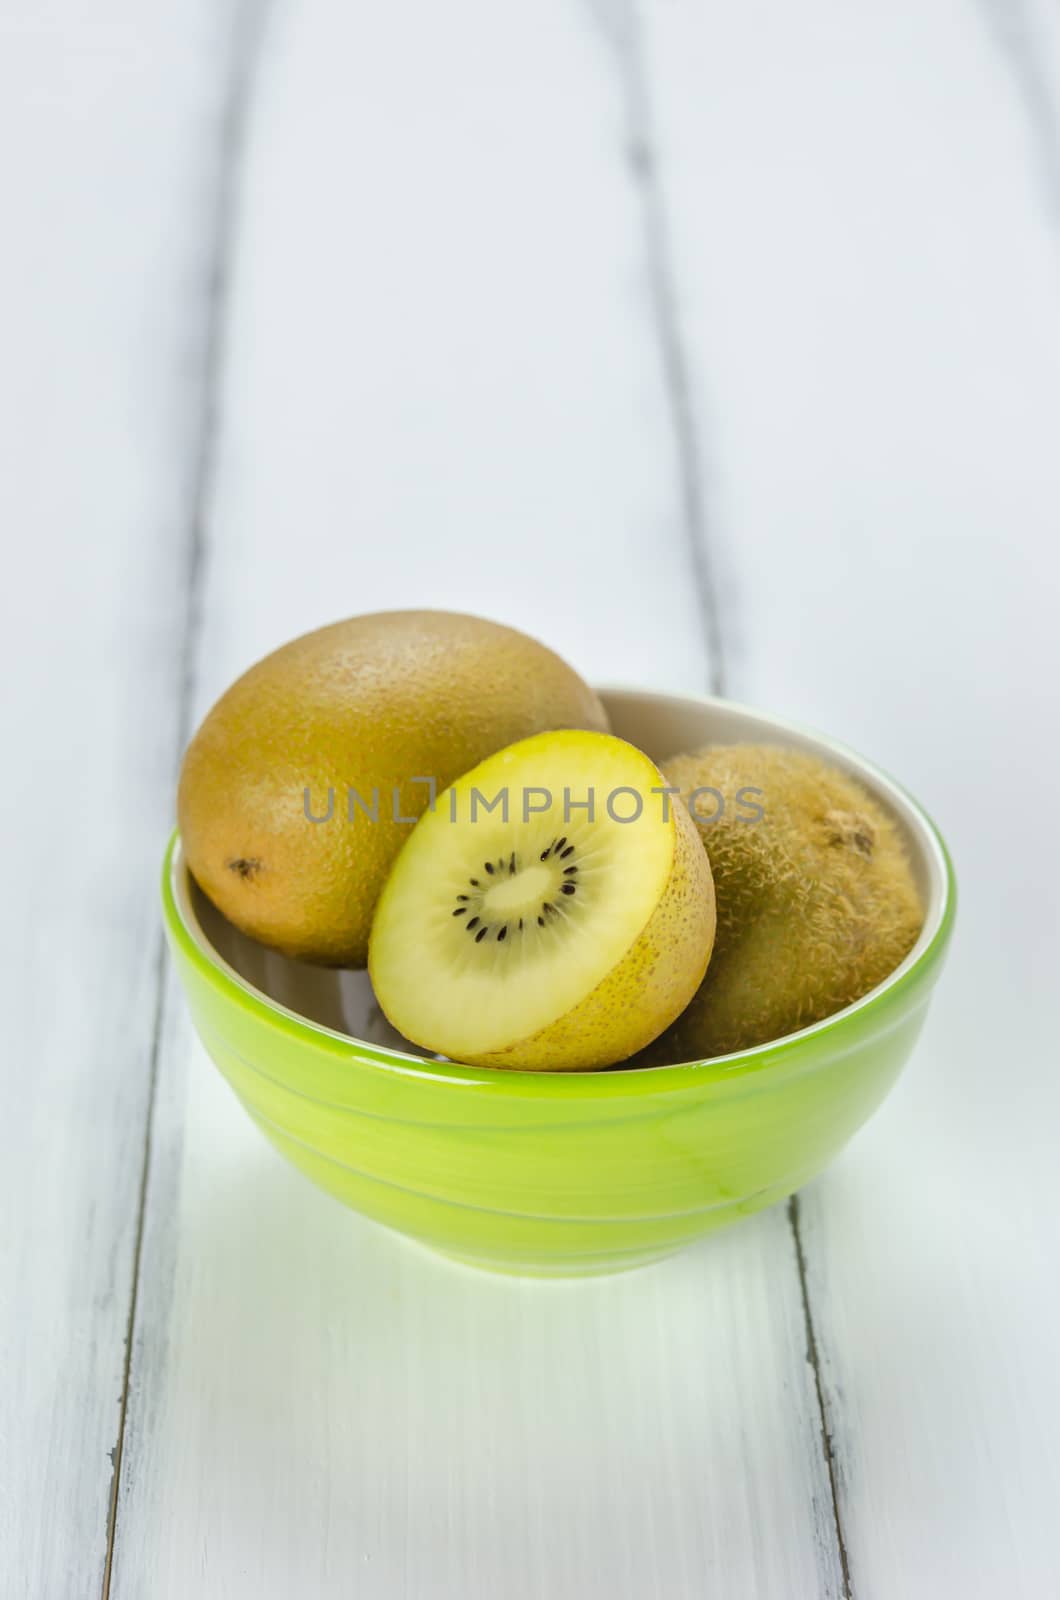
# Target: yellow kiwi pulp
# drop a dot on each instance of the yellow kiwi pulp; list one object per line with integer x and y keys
{"x": 563, "y": 928}
{"x": 301, "y": 785}
{"x": 816, "y": 901}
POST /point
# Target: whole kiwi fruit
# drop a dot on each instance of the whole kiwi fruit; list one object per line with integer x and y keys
{"x": 816, "y": 900}
{"x": 303, "y": 781}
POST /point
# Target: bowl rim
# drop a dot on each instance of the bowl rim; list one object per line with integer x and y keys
{"x": 188, "y": 935}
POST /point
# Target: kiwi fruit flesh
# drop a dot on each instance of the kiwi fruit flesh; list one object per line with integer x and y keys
{"x": 547, "y": 938}
{"x": 816, "y": 900}
{"x": 360, "y": 715}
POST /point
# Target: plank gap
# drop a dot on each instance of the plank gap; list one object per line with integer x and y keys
{"x": 813, "y": 1358}
{"x": 1014, "y": 36}
{"x": 248, "y": 32}
{"x": 641, "y": 155}
{"x": 141, "y": 1204}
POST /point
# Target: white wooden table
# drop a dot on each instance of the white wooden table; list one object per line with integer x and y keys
{"x": 717, "y": 344}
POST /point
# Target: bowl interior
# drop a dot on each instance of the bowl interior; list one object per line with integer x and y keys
{"x": 661, "y": 725}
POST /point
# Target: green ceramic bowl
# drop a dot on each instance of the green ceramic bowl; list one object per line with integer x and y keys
{"x": 553, "y": 1174}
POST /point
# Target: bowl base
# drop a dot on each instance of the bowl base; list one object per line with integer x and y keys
{"x": 553, "y": 1271}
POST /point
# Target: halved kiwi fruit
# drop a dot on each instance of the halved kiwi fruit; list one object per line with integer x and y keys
{"x": 563, "y": 928}
{"x": 816, "y": 898}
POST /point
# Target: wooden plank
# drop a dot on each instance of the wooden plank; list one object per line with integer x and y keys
{"x": 445, "y": 387}
{"x": 106, "y": 126}
{"x": 865, "y": 252}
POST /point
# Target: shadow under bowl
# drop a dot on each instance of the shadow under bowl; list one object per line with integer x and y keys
{"x": 554, "y": 1174}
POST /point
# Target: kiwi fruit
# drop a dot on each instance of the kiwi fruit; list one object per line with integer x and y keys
{"x": 301, "y": 785}
{"x": 562, "y": 929}
{"x": 816, "y": 901}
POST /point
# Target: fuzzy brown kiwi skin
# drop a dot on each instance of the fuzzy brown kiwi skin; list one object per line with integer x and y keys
{"x": 816, "y": 902}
